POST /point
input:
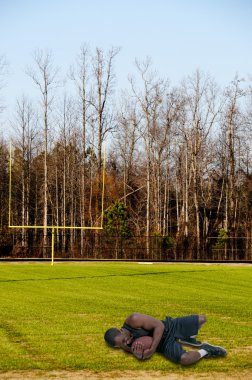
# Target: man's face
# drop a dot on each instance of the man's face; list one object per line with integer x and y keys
{"x": 124, "y": 339}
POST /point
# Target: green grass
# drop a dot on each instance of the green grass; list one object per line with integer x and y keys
{"x": 55, "y": 317}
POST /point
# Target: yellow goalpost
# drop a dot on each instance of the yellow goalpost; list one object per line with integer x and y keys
{"x": 53, "y": 228}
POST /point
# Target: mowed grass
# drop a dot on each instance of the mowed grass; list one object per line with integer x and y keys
{"x": 55, "y": 317}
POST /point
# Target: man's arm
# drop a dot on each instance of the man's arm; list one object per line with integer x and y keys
{"x": 149, "y": 323}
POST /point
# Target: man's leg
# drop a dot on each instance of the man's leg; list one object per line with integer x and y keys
{"x": 187, "y": 327}
{"x": 190, "y": 357}
{"x": 190, "y": 339}
{"x": 175, "y": 352}
{"x": 207, "y": 351}
{"x": 202, "y": 320}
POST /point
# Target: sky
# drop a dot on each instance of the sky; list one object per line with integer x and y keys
{"x": 180, "y": 36}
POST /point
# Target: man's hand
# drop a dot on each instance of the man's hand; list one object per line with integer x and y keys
{"x": 138, "y": 351}
{"x": 148, "y": 353}
{"x": 148, "y": 323}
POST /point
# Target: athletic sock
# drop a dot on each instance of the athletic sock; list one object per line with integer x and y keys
{"x": 202, "y": 353}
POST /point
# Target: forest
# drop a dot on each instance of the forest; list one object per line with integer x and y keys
{"x": 178, "y": 167}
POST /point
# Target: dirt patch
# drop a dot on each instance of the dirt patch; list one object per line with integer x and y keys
{"x": 125, "y": 375}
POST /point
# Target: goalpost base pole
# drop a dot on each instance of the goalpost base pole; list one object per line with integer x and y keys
{"x": 52, "y": 246}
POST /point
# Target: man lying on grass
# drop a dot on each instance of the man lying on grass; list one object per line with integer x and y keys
{"x": 167, "y": 338}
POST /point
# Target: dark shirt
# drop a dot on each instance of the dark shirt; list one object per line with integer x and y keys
{"x": 137, "y": 333}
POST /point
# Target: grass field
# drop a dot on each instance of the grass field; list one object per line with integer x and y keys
{"x": 54, "y": 318}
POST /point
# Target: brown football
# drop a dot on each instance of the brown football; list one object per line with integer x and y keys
{"x": 145, "y": 341}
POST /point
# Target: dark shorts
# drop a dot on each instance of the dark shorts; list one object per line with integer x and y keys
{"x": 177, "y": 328}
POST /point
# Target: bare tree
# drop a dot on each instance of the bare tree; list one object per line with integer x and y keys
{"x": 81, "y": 76}
{"x": 44, "y": 76}
{"x": 233, "y": 139}
{"x": 149, "y": 101}
{"x": 232, "y": 125}
{"x": 201, "y": 114}
{"x": 170, "y": 117}
{"x": 3, "y": 183}
{"x": 104, "y": 80}
{"x": 25, "y": 128}
{"x": 127, "y": 136}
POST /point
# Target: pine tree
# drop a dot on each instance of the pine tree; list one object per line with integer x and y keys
{"x": 117, "y": 220}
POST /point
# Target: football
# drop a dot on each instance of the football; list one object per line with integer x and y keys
{"x": 145, "y": 341}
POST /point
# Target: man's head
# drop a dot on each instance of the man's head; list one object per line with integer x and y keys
{"x": 120, "y": 338}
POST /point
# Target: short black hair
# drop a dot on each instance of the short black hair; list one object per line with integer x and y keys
{"x": 110, "y": 336}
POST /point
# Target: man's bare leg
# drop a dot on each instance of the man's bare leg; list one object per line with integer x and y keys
{"x": 206, "y": 351}
{"x": 202, "y": 320}
{"x": 190, "y": 357}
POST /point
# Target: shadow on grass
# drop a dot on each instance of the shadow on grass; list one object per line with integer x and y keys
{"x": 109, "y": 275}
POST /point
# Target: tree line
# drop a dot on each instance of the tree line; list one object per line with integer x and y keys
{"x": 178, "y": 181}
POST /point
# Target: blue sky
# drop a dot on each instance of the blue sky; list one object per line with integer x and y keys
{"x": 179, "y": 35}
